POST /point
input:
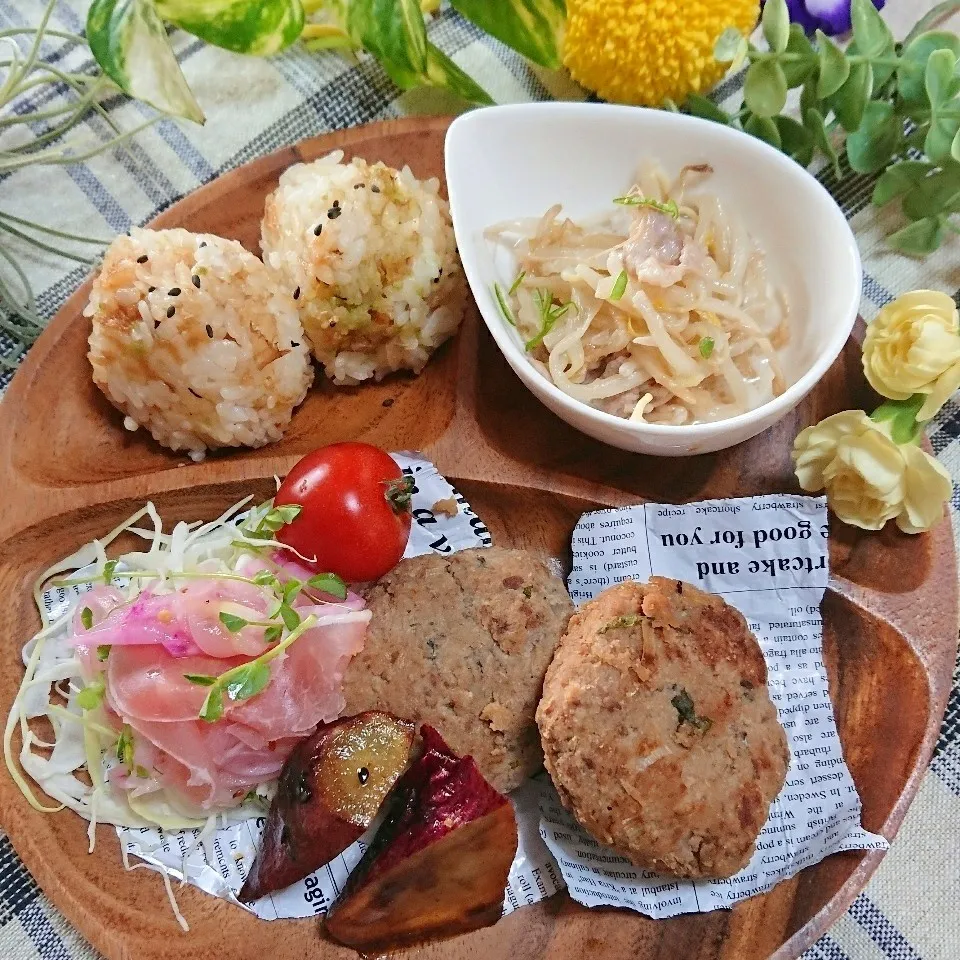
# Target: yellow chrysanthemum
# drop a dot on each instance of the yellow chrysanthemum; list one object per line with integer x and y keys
{"x": 644, "y": 51}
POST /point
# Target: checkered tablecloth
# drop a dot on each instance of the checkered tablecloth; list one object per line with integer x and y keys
{"x": 911, "y": 908}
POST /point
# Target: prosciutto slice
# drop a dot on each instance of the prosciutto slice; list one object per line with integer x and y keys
{"x": 159, "y": 640}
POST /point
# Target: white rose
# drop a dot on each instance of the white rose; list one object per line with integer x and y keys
{"x": 867, "y": 477}
{"x": 913, "y": 346}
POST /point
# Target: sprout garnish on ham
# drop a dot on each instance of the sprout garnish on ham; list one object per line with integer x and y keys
{"x": 177, "y": 678}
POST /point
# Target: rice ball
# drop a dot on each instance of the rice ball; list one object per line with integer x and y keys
{"x": 194, "y": 340}
{"x": 369, "y": 255}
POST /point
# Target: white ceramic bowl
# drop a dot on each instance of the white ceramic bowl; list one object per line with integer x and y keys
{"x": 516, "y": 161}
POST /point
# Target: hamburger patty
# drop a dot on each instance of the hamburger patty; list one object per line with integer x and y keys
{"x": 462, "y": 642}
{"x": 658, "y": 728}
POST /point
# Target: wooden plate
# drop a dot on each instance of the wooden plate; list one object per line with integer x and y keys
{"x": 69, "y": 472}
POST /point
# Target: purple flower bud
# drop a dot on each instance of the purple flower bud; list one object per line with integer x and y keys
{"x": 830, "y": 16}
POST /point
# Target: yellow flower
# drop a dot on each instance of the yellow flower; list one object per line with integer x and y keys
{"x": 643, "y": 51}
{"x": 913, "y": 346}
{"x": 868, "y": 478}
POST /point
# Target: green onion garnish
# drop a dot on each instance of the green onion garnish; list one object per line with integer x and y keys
{"x": 619, "y": 286}
{"x": 636, "y": 200}
{"x": 706, "y": 347}
{"x": 516, "y": 283}
{"x": 549, "y": 315}
{"x": 504, "y": 306}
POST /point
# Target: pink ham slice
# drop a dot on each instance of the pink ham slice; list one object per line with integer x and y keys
{"x": 212, "y": 764}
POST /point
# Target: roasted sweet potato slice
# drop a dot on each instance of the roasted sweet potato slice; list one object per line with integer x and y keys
{"x": 438, "y": 864}
{"x": 329, "y": 791}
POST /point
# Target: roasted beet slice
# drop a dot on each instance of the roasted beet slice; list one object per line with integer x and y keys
{"x": 329, "y": 791}
{"x": 438, "y": 864}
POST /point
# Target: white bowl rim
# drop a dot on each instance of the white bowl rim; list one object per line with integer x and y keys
{"x": 769, "y": 412}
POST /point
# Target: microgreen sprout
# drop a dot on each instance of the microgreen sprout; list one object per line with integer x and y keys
{"x": 103, "y": 651}
{"x": 247, "y": 680}
{"x": 86, "y": 618}
{"x": 329, "y": 583}
{"x": 272, "y": 521}
{"x": 706, "y": 347}
{"x": 515, "y": 286}
{"x": 91, "y": 696}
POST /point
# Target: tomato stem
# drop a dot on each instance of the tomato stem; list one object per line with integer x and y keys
{"x": 399, "y": 493}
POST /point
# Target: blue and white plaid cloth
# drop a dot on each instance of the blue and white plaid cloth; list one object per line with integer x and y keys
{"x": 910, "y": 909}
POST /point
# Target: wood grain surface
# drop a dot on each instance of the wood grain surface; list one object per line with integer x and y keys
{"x": 69, "y": 472}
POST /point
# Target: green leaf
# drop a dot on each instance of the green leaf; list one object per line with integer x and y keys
{"x": 109, "y": 568}
{"x": 285, "y": 513}
{"x": 955, "y": 147}
{"x": 871, "y": 146}
{"x": 918, "y": 239}
{"x": 444, "y": 73}
{"x": 834, "y": 66}
{"x": 212, "y": 709}
{"x": 798, "y": 71}
{"x": 103, "y": 651}
{"x": 775, "y": 21}
{"x": 763, "y": 128}
{"x": 901, "y": 415}
{"x": 289, "y": 616}
{"x": 531, "y": 27}
{"x": 329, "y": 583}
{"x": 200, "y": 679}
{"x": 129, "y": 41}
{"x": 795, "y": 139}
{"x": 233, "y": 623}
{"x": 706, "y": 347}
{"x": 941, "y": 136}
{"x": 931, "y": 195}
{"x": 258, "y": 27}
{"x": 870, "y": 31}
{"x": 898, "y": 179}
{"x": 272, "y": 634}
{"x": 728, "y": 45}
{"x": 290, "y": 590}
{"x": 936, "y": 14}
{"x": 265, "y": 579}
{"x": 765, "y": 88}
{"x": 699, "y": 106}
{"x": 938, "y": 76}
{"x": 248, "y": 681}
{"x": 619, "y": 286}
{"x": 91, "y": 696}
{"x": 850, "y": 101}
{"x": 393, "y": 31}
{"x": 86, "y": 618}
{"x": 813, "y": 121}
{"x": 911, "y": 74}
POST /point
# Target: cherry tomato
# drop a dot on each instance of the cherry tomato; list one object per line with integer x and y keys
{"x": 355, "y": 510}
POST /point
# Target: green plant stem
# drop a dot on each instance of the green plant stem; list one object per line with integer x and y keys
{"x": 44, "y": 246}
{"x": 60, "y": 158}
{"x": 756, "y": 55}
{"x": 63, "y": 234}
